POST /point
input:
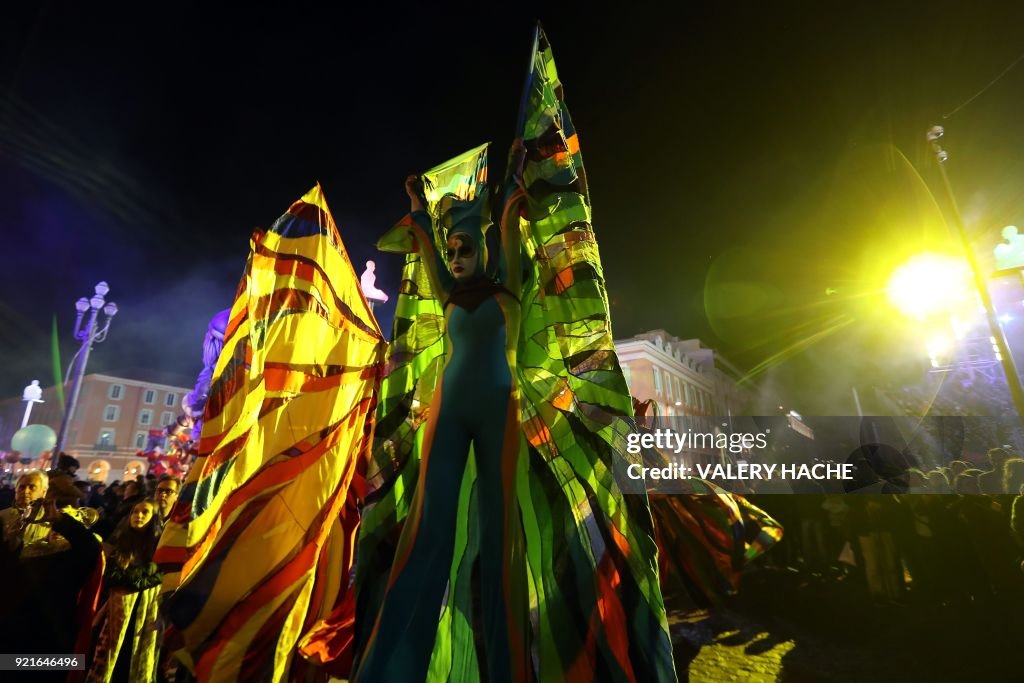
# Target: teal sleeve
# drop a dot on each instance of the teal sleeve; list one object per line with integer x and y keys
{"x": 445, "y": 278}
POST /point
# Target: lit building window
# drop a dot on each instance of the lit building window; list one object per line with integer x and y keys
{"x": 106, "y": 439}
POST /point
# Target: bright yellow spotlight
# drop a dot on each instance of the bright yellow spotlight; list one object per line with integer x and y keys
{"x": 929, "y": 284}
{"x": 960, "y": 326}
{"x": 939, "y": 346}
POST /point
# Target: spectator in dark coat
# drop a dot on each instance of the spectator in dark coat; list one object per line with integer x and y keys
{"x": 42, "y": 615}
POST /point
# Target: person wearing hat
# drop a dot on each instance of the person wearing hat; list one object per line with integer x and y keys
{"x": 67, "y": 464}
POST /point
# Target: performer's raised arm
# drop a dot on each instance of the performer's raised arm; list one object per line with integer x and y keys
{"x": 437, "y": 270}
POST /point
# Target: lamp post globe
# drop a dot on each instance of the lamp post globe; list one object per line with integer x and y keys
{"x": 89, "y": 333}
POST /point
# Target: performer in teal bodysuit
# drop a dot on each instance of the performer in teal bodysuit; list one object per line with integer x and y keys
{"x": 475, "y": 407}
{"x": 496, "y": 541}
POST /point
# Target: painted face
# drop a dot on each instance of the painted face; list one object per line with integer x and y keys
{"x": 141, "y": 514}
{"x": 461, "y": 256}
{"x": 30, "y": 489}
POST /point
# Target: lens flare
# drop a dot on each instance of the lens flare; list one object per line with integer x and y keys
{"x": 929, "y": 284}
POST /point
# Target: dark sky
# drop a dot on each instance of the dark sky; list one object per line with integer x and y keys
{"x": 742, "y": 156}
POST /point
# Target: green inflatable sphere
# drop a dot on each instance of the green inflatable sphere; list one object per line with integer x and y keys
{"x": 33, "y": 441}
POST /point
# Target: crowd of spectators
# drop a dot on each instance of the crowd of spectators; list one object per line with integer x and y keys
{"x": 77, "y": 571}
{"x": 76, "y": 557}
{"x": 950, "y": 536}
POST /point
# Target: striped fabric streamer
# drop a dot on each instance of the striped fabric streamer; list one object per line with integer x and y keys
{"x": 595, "y": 605}
{"x": 707, "y": 538}
{"x": 256, "y": 552}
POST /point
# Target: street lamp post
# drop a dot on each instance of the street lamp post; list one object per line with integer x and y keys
{"x": 935, "y": 133}
{"x": 88, "y": 335}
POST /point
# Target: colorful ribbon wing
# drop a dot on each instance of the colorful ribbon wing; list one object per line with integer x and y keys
{"x": 584, "y": 538}
{"x": 255, "y": 553}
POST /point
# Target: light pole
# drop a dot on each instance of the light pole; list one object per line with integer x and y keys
{"x": 935, "y": 133}
{"x": 88, "y": 336}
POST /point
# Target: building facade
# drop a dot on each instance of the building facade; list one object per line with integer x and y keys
{"x": 684, "y": 377}
{"x": 114, "y": 419}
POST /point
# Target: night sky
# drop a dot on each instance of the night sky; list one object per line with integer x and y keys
{"x": 742, "y": 157}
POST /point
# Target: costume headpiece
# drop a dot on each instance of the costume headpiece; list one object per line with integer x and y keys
{"x": 471, "y": 218}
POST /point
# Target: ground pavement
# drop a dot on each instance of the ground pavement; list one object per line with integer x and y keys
{"x": 786, "y": 626}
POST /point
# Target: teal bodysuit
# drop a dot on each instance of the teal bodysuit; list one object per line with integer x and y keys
{"x": 472, "y": 408}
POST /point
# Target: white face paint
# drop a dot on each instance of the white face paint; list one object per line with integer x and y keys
{"x": 461, "y": 256}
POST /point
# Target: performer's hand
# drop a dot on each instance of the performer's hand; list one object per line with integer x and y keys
{"x": 413, "y": 188}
